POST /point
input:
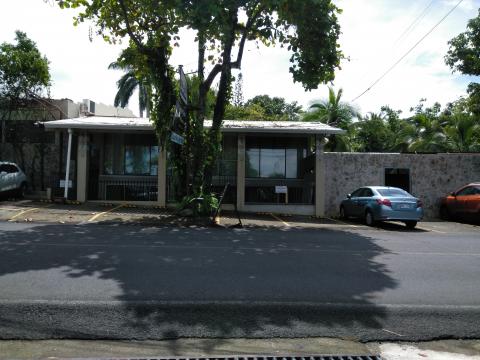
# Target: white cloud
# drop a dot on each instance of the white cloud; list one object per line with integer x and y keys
{"x": 370, "y": 29}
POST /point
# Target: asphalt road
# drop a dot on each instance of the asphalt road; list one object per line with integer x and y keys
{"x": 134, "y": 282}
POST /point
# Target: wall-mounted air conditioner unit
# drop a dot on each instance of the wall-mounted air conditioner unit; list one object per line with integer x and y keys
{"x": 87, "y": 107}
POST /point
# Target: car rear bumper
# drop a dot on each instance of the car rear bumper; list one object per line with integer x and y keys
{"x": 387, "y": 213}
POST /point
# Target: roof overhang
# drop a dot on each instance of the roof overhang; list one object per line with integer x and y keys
{"x": 114, "y": 124}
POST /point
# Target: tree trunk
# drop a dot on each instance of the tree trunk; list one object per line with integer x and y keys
{"x": 214, "y": 136}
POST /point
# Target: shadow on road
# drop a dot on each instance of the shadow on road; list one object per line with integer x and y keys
{"x": 170, "y": 282}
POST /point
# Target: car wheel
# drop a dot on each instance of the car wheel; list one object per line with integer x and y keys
{"x": 444, "y": 213}
{"x": 21, "y": 191}
{"x": 343, "y": 214}
{"x": 411, "y": 224}
{"x": 369, "y": 220}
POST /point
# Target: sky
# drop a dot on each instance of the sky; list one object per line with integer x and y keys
{"x": 375, "y": 34}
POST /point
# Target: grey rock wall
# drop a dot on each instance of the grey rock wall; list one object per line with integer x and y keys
{"x": 432, "y": 176}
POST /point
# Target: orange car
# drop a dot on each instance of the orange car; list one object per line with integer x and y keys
{"x": 463, "y": 203}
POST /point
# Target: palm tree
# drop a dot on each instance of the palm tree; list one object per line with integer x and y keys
{"x": 332, "y": 111}
{"x": 462, "y": 133}
{"x": 426, "y": 134}
{"x": 126, "y": 85}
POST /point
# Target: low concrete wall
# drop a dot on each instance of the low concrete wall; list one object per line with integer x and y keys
{"x": 432, "y": 176}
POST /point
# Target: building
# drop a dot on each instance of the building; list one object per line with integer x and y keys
{"x": 272, "y": 166}
{"x": 37, "y": 152}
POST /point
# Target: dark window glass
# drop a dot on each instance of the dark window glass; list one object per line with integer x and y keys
{"x": 367, "y": 193}
{"x": 3, "y": 168}
{"x": 392, "y": 192}
{"x": 252, "y": 162}
{"x": 154, "y": 150}
{"x": 469, "y": 190}
{"x": 137, "y": 160}
{"x": 227, "y": 159}
{"x": 272, "y": 163}
{"x": 291, "y": 163}
{"x": 357, "y": 193}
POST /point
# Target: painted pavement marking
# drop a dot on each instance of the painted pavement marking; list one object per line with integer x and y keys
{"x": 27, "y": 211}
{"x": 277, "y": 218}
{"x": 96, "y": 216}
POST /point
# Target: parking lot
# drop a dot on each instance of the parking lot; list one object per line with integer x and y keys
{"x": 43, "y": 212}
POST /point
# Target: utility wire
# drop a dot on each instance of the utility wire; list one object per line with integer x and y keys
{"x": 408, "y": 52}
{"x": 407, "y": 31}
{"x": 414, "y": 22}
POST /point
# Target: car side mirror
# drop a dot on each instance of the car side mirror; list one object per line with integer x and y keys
{"x": 3, "y": 173}
{"x": 453, "y": 194}
{"x": 349, "y": 196}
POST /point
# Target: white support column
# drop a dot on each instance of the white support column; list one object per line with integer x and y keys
{"x": 240, "y": 172}
{"x": 82, "y": 167}
{"x": 162, "y": 177}
{"x": 319, "y": 176}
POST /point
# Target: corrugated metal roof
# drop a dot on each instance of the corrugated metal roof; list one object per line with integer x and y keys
{"x": 235, "y": 126}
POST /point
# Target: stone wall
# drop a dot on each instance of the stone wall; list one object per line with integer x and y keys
{"x": 432, "y": 176}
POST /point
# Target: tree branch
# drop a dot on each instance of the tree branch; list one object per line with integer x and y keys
{"x": 213, "y": 74}
{"x": 137, "y": 42}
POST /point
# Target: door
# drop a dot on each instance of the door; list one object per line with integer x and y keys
{"x": 462, "y": 197}
{"x": 472, "y": 201}
{"x": 357, "y": 198}
{"x": 364, "y": 198}
{"x": 8, "y": 177}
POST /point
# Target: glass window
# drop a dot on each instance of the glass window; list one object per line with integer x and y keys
{"x": 272, "y": 163}
{"x": 466, "y": 191}
{"x": 252, "y": 162}
{"x": 291, "y": 164}
{"x": 114, "y": 154}
{"x": 357, "y": 193}
{"x": 154, "y": 150}
{"x": 393, "y": 192}
{"x": 137, "y": 160}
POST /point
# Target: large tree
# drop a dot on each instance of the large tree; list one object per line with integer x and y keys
{"x": 23, "y": 69}
{"x": 24, "y": 81}
{"x": 308, "y": 29}
{"x": 463, "y": 56}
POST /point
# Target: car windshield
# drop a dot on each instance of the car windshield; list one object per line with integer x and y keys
{"x": 393, "y": 192}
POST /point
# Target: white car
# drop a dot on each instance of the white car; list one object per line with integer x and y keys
{"x": 12, "y": 179}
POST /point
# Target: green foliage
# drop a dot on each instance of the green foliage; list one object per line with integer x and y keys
{"x": 200, "y": 205}
{"x": 332, "y": 111}
{"x": 308, "y": 29}
{"x": 23, "y": 69}
{"x": 463, "y": 56}
{"x": 264, "y": 107}
{"x": 245, "y": 112}
{"x": 134, "y": 78}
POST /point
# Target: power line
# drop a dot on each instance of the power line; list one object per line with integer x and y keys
{"x": 414, "y": 22}
{"x": 407, "y": 31}
{"x": 408, "y": 52}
